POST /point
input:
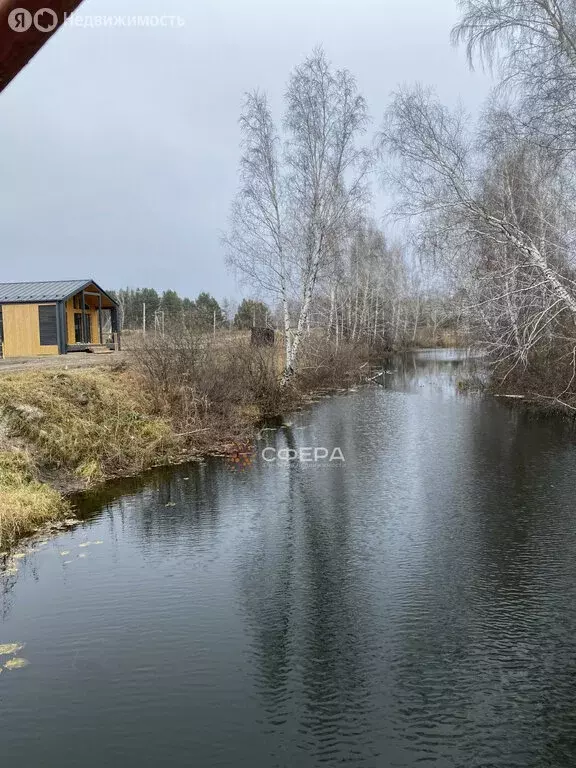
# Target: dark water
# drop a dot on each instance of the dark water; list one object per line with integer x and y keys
{"x": 413, "y": 605}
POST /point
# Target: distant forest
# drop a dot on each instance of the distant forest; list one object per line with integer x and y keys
{"x": 168, "y": 309}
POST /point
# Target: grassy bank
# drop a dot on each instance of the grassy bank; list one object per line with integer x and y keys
{"x": 25, "y": 503}
{"x": 63, "y": 431}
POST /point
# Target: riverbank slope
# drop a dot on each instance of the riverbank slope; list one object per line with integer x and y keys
{"x": 65, "y": 431}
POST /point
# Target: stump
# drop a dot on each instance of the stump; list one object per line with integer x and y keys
{"x": 262, "y": 337}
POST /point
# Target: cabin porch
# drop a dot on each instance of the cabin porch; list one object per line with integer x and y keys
{"x": 91, "y": 321}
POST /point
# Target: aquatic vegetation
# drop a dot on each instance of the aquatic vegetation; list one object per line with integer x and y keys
{"x": 16, "y": 664}
{"x": 64, "y": 553}
{"x": 84, "y": 544}
{"x": 81, "y": 556}
{"x": 8, "y": 649}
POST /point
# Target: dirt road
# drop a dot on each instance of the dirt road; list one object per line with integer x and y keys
{"x": 61, "y": 362}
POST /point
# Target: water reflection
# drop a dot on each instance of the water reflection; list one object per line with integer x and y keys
{"x": 412, "y": 605}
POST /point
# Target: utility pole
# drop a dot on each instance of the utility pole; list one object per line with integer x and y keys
{"x": 144, "y": 318}
{"x": 214, "y": 323}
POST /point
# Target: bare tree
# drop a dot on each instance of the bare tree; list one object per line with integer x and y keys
{"x": 437, "y": 174}
{"x": 294, "y": 206}
{"x": 257, "y": 245}
{"x": 326, "y": 170}
{"x": 533, "y": 45}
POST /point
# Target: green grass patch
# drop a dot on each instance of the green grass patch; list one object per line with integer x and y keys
{"x": 25, "y": 503}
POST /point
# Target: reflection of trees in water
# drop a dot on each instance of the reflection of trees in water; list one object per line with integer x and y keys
{"x": 140, "y": 504}
{"x": 181, "y": 508}
{"x": 413, "y": 370}
{"x": 302, "y": 593}
{"x": 525, "y": 529}
{"x": 7, "y": 584}
{"x": 163, "y": 506}
{"x": 486, "y": 649}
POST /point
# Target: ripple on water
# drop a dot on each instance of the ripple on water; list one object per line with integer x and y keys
{"x": 414, "y": 606}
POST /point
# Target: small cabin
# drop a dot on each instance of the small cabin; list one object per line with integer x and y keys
{"x": 57, "y": 317}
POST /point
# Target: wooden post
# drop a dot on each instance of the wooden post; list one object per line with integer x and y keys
{"x": 100, "y": 317}
{"x": 144, "y": 318}
{"x": 83, "y": 318}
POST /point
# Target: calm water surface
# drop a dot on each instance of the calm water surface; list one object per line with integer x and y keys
{"x": 413, "y": 605}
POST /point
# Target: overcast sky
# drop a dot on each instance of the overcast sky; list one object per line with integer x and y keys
{"x": 119, "y": 146}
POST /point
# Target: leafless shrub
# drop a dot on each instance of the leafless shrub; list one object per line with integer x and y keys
{"x": 170, "y": 366}
{"x": 204, "y": 385}
{"x": 329, "y": 365}
{"x": 195, "y": 379}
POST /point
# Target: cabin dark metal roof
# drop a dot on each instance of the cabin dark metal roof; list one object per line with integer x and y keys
{"x": 50, "y": 290}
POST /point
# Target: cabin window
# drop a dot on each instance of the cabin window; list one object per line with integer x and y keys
{"x": 48, "y": 327}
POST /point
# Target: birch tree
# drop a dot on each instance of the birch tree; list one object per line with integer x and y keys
{"x": 299, "y": 194}
{"x": 326, "y": 171}
{"x": 435, "y": 171}
{"x": 532, "y": 44}
{"x": 257, "y": 245}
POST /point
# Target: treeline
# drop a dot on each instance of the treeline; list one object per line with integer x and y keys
{"x": 492, "y": 201}
{"x": 301, "y": 232}
{"x": 167, "y": 310}
{"x": 372, "y": 293}
{"x": 489, "y": 205}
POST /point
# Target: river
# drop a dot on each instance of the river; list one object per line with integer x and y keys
{"x": 388, "y": 580}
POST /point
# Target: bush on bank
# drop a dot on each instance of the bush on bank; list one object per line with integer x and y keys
{"x": 180, "y": 396}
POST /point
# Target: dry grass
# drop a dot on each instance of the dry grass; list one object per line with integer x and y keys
{"x": 181, "y": 396}
{"x": 74, "y": 429}
{"x": 25, "y": 503}
{"x": 90, "y": 424}
{"x": 547, "y": 378}
{"x": 327, "y": 365}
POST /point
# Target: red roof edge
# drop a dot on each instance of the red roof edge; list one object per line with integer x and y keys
{"x": 24, "y": 29}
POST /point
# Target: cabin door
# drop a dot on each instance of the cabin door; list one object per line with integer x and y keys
{"x": 81, "y": 328}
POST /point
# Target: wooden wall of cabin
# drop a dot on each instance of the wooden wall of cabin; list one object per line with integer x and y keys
{"x": 22, "y": 331}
